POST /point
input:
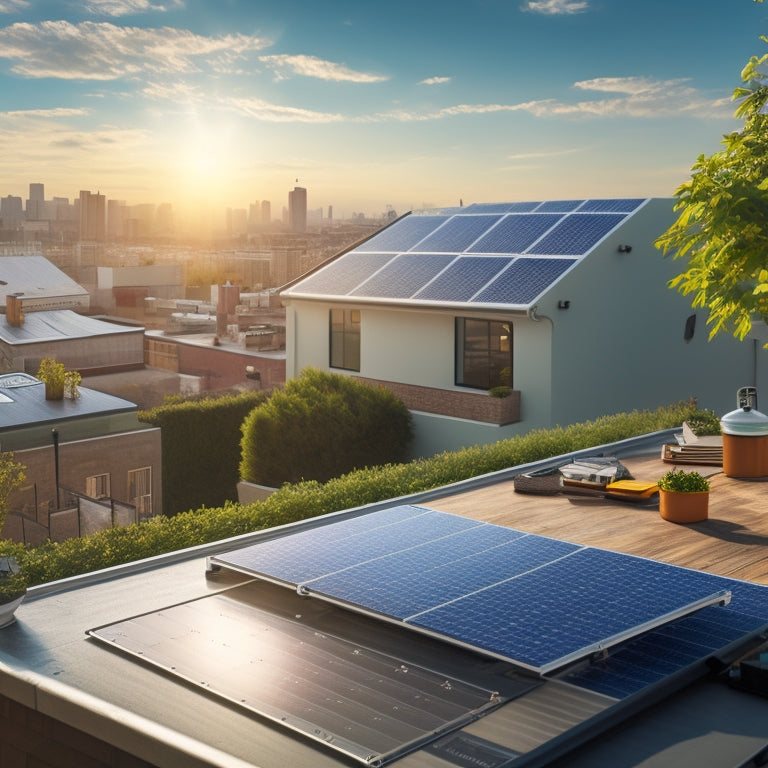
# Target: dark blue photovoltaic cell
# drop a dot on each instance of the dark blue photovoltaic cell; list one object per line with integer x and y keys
{"x": 313, "y": 553}
{"x": 523, "y": 281}
{"x": 344, "y": 274}
{"x": 577, "y": 234}
{"x": 403, "y": 234}
{"x": 406, "y": 583}
{"x": 559, "y": 206}
{"x": 611, "y": 206}
{"x": 457, "y": 234}
{"x": 665, "y": 650}
{"x": 546, "y": 615}
{"x": 515, "y": 233}
{"x": 463, "y": 278}
{"x": 404, "y": 275}
{"x": 501, "y": 207}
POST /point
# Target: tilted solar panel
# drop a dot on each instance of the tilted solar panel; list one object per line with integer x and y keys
{"x": 577, "y": 234}
{"x": 463, "y": 278}
{"x": 559, "y": 206}
{"x": 342, "y": 275}
{"x": 457, "y": 234}
{"x": 525, "y": 279}
{"x": 515, "y": 233}
{"x": 404, "y": 275}
{"x": 537, "y": 602}
{"x": 619, "y": 205}
{"x": 403, "y": 234}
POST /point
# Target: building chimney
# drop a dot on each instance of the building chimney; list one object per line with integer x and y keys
{"x": 14, "y": 311}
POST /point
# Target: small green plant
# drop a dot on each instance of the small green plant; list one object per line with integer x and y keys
{"x": 500, "y": 391}
{"x": 72, "y": 381}
{"x": 704, "y": 423}
{"x": 684, "y": 482}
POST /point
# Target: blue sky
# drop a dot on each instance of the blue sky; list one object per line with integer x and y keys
{"x": 367, "y": 104}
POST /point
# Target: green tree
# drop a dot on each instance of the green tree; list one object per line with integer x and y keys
{"x": 12, "y": 475}
{"x": 722, "y": 226}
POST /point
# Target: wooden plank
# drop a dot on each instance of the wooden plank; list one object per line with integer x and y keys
{"x": 733, "y": 542}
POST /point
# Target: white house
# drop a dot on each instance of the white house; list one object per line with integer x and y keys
{"x": 565, "y": 302}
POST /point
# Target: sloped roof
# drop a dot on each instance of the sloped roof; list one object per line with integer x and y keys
{"x": 55, "y": 325}
{"x": 35, "y": 277}
{"x": 496, "y": 255}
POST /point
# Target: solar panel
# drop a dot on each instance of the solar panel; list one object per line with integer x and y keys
{"x": 344, "y": 274}
{"x": 625, "y": 205}
{"x": 577, "y": 234}
{"x": 537, "y": 602}
{"x": 463, "y": 278}
{"x": 515, "y": 233}
{"x": 404, "y": 275}
{"x": 559, "y": 206}
{"x": 403, "y": 234}
{"x": 525, "y": 279}
{"x": 457, "y": 234}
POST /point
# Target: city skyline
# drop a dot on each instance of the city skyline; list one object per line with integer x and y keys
{"x": 192, "y": 101}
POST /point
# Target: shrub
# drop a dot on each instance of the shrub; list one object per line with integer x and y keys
{"x": 684, "y": 482}
{"x": 201, "y": 448}
{"x": 322, "y": 425}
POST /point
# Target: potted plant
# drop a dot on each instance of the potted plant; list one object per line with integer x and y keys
{"x": 51, "y": 374}
{"x": 72, "y": 381}
{"x": 683, "y": 497}
{"x": 13, "y": 585}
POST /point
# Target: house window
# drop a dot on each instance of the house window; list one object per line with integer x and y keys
{"x": 140, "y": 490}
{"x": 483, "y": 353}
{"x": 97, "y": 486}
{"x": 345, "y": 339}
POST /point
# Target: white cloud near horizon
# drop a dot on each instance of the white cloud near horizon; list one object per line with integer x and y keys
{"x": 104, "y": 51}
{"x": 435, "y": 81}
{"x": 312, "y": 66}
{"x": 128, "y": 7}
{"x": 556, "y": 7}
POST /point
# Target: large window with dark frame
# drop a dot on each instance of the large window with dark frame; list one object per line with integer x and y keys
{"x": 483, "y": 353}
{"x": 345, "y": 339}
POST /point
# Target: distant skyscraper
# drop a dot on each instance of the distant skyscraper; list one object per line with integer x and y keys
{"x": 36, "y": 202}
{"x": 93, "y": 218}
{"x": 266, "y": 213}
{"x": 297, "y": 209}
{"x": 330, "y": 213}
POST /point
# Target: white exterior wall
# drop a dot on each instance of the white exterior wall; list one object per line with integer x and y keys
{"x": 620, "y": 344}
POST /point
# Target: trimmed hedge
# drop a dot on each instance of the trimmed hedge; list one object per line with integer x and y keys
{"x": 323, "y": 425}
{"x": 201, "y": 448}
{"x": 299, "y": 501}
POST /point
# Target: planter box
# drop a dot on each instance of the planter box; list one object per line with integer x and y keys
{"x": 679, "y": 507}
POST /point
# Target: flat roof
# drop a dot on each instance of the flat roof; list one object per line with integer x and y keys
{"x": 59, "y": 324}
{"x": 48, "y": 662}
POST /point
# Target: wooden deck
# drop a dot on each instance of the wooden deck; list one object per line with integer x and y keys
{"x": 733, "y": 542}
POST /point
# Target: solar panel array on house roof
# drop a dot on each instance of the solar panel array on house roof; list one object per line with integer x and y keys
{"x": 508, "y": 254}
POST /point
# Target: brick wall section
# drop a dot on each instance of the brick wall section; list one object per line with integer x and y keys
{"x": 475, "y": 406}
{"x": 29, "y": 739}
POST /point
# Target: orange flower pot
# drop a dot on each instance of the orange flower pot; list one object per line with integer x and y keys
{"x": 680, "y": 507}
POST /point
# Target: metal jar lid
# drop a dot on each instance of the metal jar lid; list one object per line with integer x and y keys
{"x": 744, "y": 421}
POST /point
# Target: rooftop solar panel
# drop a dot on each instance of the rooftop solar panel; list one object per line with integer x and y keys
{"x": 525, "y": 279}
{"x": 515, "y": 233}
{"x": 621, "y": 205}
{"x": 559, "y": 206}
{"x": 457, "y": 234}
{"x": 463, "y": 278}
{"x": 403, "y": 234}
{"x": 344, "y": 274}
{"x": 537, "y": 602}
{"x": 577, "y": 234}
{"x": 404, "y": 275}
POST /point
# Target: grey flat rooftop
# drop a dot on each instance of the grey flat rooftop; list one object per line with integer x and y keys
{"x": 48, "y": 662}
{"x": 35, "y": 277}
{"x": 56, "y": 325}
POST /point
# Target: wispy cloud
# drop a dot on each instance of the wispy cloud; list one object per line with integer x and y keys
{"x": 103, "y": 51}
{"x": 435, "y": 81}
{"x": 556, "y": 7}
{"x": 12, "y": 6}
{"x": 312, "y": 66}
{"x": 56, "y": 112}
{"x": 129, "y": 7}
